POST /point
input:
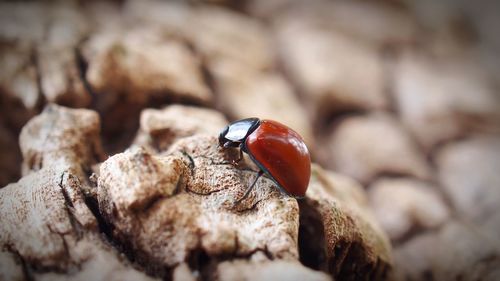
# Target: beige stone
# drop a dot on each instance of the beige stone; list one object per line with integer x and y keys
{"x": 18, "y": 76}
{"x": 346, "y": 228}
{"x": 401, "y": 205}
{"x": 335, "y": 71}
{"x": 46, "y": 38}
{"x": 170, "y": 211}
{"x": 160, "y": 128}
{"x": 457, "y": 250}
{"x": 441, "y": 99}
{"x": 61, "y": 77}
{"x": 47, "y": 222}
{"x": 134, "y": 62}
{"x": 377, "y": 24}
{"x": 25, "y": 21}
{"x": 268, "y": 271}
{"x": 62, "y": 138}
{"x": 365, "y": 147}
{"x": 220, "y": 27}
{"x": 171, "y": 206}
{"x": 9, "y": 268}
{"x": 468, "y": 171}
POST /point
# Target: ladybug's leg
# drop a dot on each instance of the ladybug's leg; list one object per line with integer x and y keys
{"x": 249, "y": 188}
{"x": 238, "y": 160}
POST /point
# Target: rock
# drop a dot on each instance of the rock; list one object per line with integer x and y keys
{"x": 451, "y": 32}
{"x": 9, "y": 268}
{"x": 242, "y": 31}
{"x": 183, "y": 273}
{"x": 402, "y": 205}
{"x": 171, "y": 203}
{"x": 161, "y": 128}
{"x": 469, "y": 175}
{"x": 60, "y": 77}
{"x": 18, "y": 81}
{"x": 101, "y": 263}
{"x": 57, "y": 57}
{"x": 440, "y": 257}
{"x": 46, "y": 62}
{"x": 22, "y": 22}
{"x": 183, "y": 207}
{"x": 338, "y": 234}
{"x": 267, "y": 9}
{"x": 378, "y": 24}
{"x": 178, "y": 206}
{"x": 103, "y": 15}
{"x": 220, "y": 26}
{"x": 48, "y": 222}
{"x": 441, "y": 99}
{"x": 267, "y": 271}
{"x": 365, "y": 147}
{"x": 66, "y": 26}
{"x": 336, "y": 72}
{"x": 54, "y": 139}
{"x": 128, "y": 71}
{"x": 38, "y": 63}
{"x": 490, "y": 226}
{"x": 132, "y": 62}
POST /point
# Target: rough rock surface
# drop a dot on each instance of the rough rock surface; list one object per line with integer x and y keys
{"x": 369, "y": 146}
{"x": 137, "y": 58}
{"x": 327, "y": 68}
{"x": 161, "y": 128}
{"x": 267, "y": 271}
{"x": 403, "y": 204}
{"x": 325, "y": 62}
{"x": 337, "y": 207}
{"x": 441, "y": 99}
{"x": 47, "y": 225}
{"x": 474, "y": 257}
{"x": 474, "y": 195}
{"x": 44, "y": 140}
{"x": 172, "y": 208}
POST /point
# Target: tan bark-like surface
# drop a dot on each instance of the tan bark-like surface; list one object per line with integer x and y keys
{"x": 164, "y": 208}
{"x": 110, "y": 112}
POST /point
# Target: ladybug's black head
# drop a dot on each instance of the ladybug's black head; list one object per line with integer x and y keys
{"x": 235, "y": 133}
{"x": 223, "y": 141}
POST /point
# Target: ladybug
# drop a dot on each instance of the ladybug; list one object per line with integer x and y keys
{"x": 277, "y": 150}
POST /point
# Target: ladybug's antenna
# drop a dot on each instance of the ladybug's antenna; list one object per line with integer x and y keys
{"x": 259, "y": 174}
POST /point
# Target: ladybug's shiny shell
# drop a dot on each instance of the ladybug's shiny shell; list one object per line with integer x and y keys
{"x": 277, "y": 150}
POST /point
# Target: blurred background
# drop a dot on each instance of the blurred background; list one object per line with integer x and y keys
{"x": 401, "y": 95}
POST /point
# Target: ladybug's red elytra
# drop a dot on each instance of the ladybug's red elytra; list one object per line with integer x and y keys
{"x": 277, "y": 150}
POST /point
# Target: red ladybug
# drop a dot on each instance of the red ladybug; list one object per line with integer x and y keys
{"x": 277, "y": 150}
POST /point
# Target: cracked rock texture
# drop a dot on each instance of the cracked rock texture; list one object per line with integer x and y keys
{"x": 148, "y": 212}
{"x": 110, "y": 112}
{"x": 48, "y": 226}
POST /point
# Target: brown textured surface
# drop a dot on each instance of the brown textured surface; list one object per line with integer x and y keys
{"x": 162, "y": 209}
{"x": 400, "y": 95}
